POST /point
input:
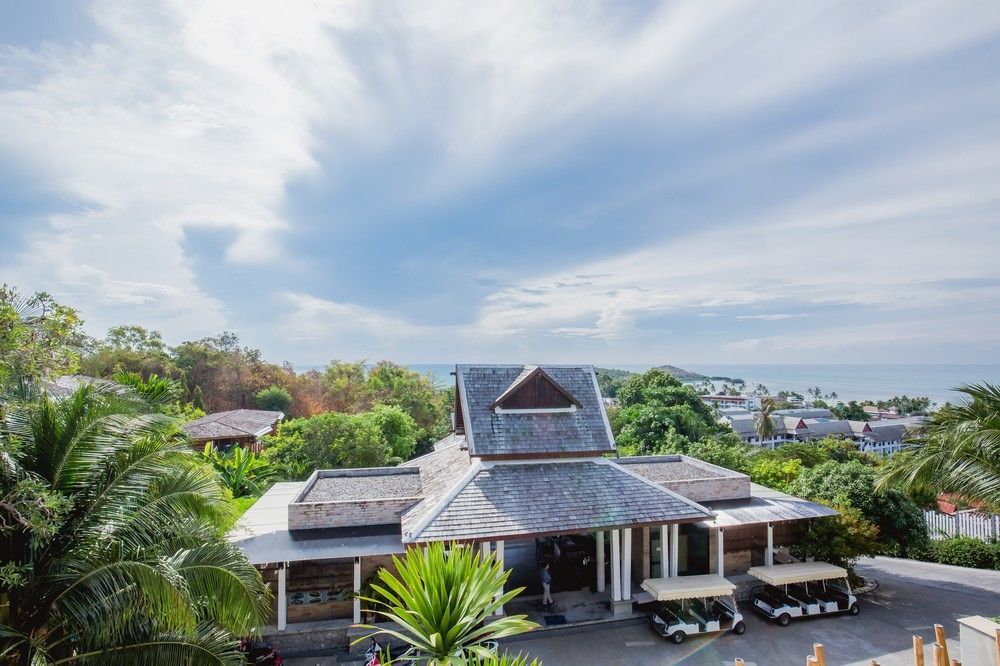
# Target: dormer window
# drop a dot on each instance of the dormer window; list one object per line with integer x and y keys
{"x": 535, "y": 392}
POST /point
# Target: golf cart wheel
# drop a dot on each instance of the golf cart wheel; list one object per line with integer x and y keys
{"x": 854, "y": 609}
{"x": 784, "y": 619}
{"x": 740, "y": 628}
{"x": 678, "y": 637}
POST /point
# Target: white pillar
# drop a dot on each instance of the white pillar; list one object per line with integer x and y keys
{"x": 499, "y": 551}
{"x": 769, "y": 553}
{"x": 600, "y": 561}
{"x": 675, "y": 540}
{"x": 484, "y": 549}
{"x": 357, "y": 590}
{"x": 282, "y": 599}
{"x": 627, "y": 563}
{"x": 664, "y": 551}
{"x": 616, "y": 566}
{"x": 720, "y": 553}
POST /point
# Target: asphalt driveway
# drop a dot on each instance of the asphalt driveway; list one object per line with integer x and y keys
{"x": 911, "y": 598}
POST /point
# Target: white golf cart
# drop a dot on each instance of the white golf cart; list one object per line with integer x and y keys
{"x": 689, "y": 605}
{"x": 802, "y": 589}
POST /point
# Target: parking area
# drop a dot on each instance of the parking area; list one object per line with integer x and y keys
{"x": 911, "y": 598}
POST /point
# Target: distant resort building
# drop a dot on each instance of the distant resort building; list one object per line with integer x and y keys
{"x": 237, "y": 427}
{"x": 809, "y": 424}
{"x": 723, "y": 401}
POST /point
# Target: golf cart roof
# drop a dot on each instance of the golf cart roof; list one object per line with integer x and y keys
{"x": 797, "y": 572}
{"x": 688, "y": 587}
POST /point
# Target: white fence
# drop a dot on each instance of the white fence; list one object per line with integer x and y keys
{"x": 975, "y": 525}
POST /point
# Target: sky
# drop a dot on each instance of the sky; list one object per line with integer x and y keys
{"x": 436, "y": 182}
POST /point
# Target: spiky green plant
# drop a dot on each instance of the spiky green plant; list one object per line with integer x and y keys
{"x": 110, "y": 541}
{"x": 443, "y": 604}
{"x": 958, "y": 451}
{"x": 240, "y": 470}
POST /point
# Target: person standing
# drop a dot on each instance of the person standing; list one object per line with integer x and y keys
{"x": 546, "y": 585}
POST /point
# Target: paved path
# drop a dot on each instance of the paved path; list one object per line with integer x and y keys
{"x": 911, "y": 598}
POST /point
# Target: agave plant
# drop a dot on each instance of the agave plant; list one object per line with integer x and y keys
{"x": 110, "y": 547}
{"x": 241, "y": 471}
{"x": 958, "y": 451}
{"x": 443, "y": 605}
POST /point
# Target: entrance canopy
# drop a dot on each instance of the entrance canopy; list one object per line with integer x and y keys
{"x": 797, "y": 572}
{"x": 688, "y": 587}
{"x": 515, "y": 500}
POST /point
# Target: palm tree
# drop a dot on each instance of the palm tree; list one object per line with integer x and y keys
{"x": 958, "y": 451}
{"x": 109, "y": 538}
{"x": 444, "y": 603}
{"x": 764, "y": 422}
{"x": 240, "y": 470}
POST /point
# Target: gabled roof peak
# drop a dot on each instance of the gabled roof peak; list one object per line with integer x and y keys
{"x": 537, "y": 400}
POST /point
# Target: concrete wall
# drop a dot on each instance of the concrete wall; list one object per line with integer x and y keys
{"x": 313, "y": 515}
{"x": 703, "y": 490}
{"x": 977, "y": 638}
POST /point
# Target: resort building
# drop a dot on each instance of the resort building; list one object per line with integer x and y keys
{"x": 237, "y": 427}
{"x": 529, "y": 473}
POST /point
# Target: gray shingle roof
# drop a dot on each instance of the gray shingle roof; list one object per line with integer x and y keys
{"x": 766, "y": 505}
{"x": 805, "y": 412}
{"x": 440, "y": 470}
{"x": 489, "y": 433}
{"x": 505, "y": 500}
{"x": 661, "y": 469}
{"x": 232, "y": 424}
{"x": 823, "y": 428}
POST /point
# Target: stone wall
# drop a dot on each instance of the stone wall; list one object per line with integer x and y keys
{"x": 712, "y": 489}
{"x": 314, "y": 515}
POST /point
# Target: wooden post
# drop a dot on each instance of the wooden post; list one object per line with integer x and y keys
{"x": 811, "y": 661}
{"x": 738, "y": 662}
{"x": 918, "y": 651}
{"x": 939, "y": 658}
{"x": 941, "y": 640}
{"x": 956, "y": 662}
{"x": 820, "y": 654}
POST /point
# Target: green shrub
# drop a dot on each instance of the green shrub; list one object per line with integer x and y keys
{"x": 966, "y": 552}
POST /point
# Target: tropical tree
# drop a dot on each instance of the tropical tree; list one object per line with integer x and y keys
{"x": 108, "y": 530}
{"x": 764, "y": 422}
{"x": 443, "y": 604}
{"x": 39, "y": 338}
{"x": 958, "y": 451}
{"x": 274, "y": 398}
{"x": 240, "y": 470}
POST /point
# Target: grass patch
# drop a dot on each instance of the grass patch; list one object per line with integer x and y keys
{"x": 244, "y": 503}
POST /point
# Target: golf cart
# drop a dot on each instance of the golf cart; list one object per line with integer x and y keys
{"x": 802, "y": 589}
{"x": 689, "y": 605}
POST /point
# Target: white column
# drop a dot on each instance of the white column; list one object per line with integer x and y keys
{"x": 675, "y": 540}
{"x": 357, "y": 590}
{"x": 627, "y": 563}
{"x": 600, "y": 561}
{"x": 500, "y": 560}
{"x": 769, "y": 554}
{"x": 282, "y": 599}
{"x": 720, "y": 553}
{"x": 664, "y": 551}
{"x": 616, "y": 566}
{"x": 484, "y": 549}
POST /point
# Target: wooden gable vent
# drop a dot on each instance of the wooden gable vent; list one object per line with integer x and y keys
{"x": 535, "y": 391}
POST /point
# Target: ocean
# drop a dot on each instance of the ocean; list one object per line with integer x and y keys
{"x": 850, "y": 382}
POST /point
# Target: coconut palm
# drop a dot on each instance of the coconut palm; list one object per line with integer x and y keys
{"x": 443, "y": 604}
{"x": 109, "y": 538}
{"x": 764, "y": 422}
{"x": 240, "y": 470}
{"x": 957, "y": 451}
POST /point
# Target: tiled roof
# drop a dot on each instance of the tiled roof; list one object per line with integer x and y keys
{"x": 232, "y": 424}
{"x": 661, "y": 469}
{"x": 584, "y": 430}
{"x": 805, "y": 412}
{"x": 504, "y": 500}
{"x": 822, "y": 428}
{"x": 440, "y": 470}
{"x": 766, "y": 506}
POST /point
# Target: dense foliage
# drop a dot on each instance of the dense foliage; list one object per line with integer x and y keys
{"x": 39, "y": 338}
{"x": 445, "y": 603}
{"x": 111, "y": 540}
{"x": 274, "y": 398}
{"x": 957, "y": 452}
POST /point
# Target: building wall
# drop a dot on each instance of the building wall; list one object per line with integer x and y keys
{"x": 745, "y": 546}
{"x": 347, "y": 514}
{"x": 703, "y": 490}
